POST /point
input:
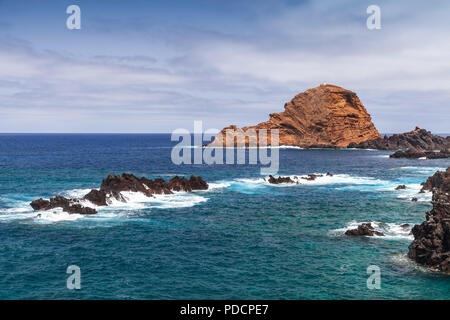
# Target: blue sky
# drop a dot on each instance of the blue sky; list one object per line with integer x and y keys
{"x": 154, "y": 66}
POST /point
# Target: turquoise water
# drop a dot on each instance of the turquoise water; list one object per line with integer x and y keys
{"x": 243, "y": 239}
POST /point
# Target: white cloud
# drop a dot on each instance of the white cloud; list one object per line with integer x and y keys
{"x": 239, "y": 77}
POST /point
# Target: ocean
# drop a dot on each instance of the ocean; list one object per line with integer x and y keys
{"x": 242, "y": 239}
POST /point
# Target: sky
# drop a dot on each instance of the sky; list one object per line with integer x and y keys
{"x": 155, "y": 66}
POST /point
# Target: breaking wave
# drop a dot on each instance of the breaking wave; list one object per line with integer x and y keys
{"x": 391, "y": 231}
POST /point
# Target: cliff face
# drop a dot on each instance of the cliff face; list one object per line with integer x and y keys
{"x": 415, "y": 140}
{"x": 325, "y": 116}
{"x": 431, "y": 245}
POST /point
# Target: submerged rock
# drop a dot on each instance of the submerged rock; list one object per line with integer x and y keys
{"x": 113, "y": 185}
{"x": 431, "y": 245}
{"x": 364, "y": 229}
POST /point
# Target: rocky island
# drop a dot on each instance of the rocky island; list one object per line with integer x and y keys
{"x": 325, "y": 116}
{"x": 329, "y": 116}
{"x": 112, "y": 188}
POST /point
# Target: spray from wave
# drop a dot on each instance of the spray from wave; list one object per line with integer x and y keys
{"x": 391, "y": 231}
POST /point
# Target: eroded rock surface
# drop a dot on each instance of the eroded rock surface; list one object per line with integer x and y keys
{"x": 417, "y": 140}
{"x": 364, "y": 229}
{"x": 416, "y": 154}
{"x": 431, "y": 245}
{"x": 113, "y": 186}
{"x": 325, "y": 116}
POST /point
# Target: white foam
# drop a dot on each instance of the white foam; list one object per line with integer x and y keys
{"x": 403, "y": 261}
{"x": 135, "y": 201}
{"x": 320, "y": 180}
{"x": 412, "y": 191}
{"x": 55, "y": 215}
{"x": 391, "y": 231}
{"x": 420, "y": 170}
{"x": 217, "y": 185}
{"x": 138, "y": 200}
{"x": 76, "y": 193}
{"x": 25, "y": 212}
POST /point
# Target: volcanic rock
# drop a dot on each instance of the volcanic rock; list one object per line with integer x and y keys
{"x": 417, "y": 139}
{"x": 415, "y": 154}
{"x": 325, "y": 116}
{"x": 431, "y": 245}
{"x": 312, "y": 177}
{"x": 113, "y": 186}
{"x": 280, "y": 179}
{"x": 364, "y": 229}
{"x": 439, "y": 180}
{"x": 401, "y": 187}
{"x": 68, "y": 205}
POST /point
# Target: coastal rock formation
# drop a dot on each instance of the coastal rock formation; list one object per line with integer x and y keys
{"x": 68, "y": 205}
{"x": 312, "y": 177}
{"x": 113, "y": 186}
{"x": 413, "y": 153}
{"x": 431, "y": 245}
{"x": 309, "y": 177}
{"x": 417, "y": 140}
{"x": 280, "y": 179}
{"x": 439, "y": 180}
{"x": 364, "y": 229}
{"x": 325, "y": 116}
{"x": 401, "y": 187}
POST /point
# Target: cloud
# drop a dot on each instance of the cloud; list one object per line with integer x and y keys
{"x": 141, "y": 75}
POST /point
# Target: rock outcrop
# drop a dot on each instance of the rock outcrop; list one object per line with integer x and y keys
{"x": 417, "y": 140}
{"x": 309, "y": 177}
{"x": 431, "y": 245}
{"x": 325, "y": 116}
{"x": 438, "y": 181}
{"x": 413, "y": 153}
{"x": 364, "y": 229}
{"x": 68, "y": 205}
{"x": 113, "y": 186}
{"x": 280, "y": 179}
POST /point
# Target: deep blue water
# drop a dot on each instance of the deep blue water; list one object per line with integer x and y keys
{"x": 243, "y": 239}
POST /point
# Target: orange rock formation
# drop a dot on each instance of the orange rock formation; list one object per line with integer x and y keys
{"x": 325, "y": 116}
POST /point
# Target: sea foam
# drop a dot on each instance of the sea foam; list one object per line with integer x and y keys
{"x": 391, "y": 231}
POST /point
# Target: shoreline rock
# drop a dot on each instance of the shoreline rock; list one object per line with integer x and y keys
{"x": 415, "y": 154}
{"x": 431, "y": 245}
{"x": 113, "y": 185}
{"x": 417, "y": 140}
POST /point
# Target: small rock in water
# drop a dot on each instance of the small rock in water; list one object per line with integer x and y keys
{"x": 280, "y": 179}
{"x": 364, "y": 229}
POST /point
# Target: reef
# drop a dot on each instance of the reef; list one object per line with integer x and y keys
{"x": 113, "y": 186}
